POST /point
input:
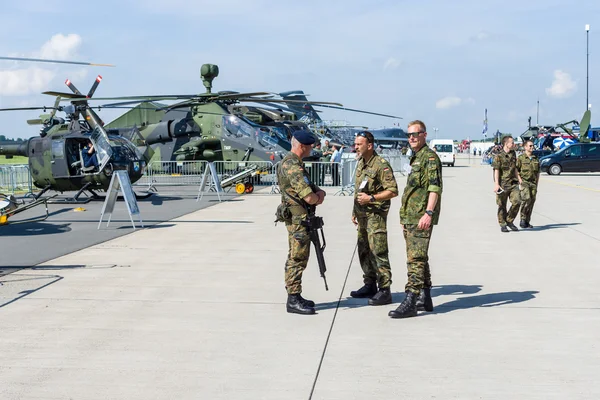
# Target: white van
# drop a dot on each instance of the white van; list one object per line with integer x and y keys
{"x": 445, "y": 150}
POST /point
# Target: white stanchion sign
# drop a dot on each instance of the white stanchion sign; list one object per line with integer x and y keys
{"x": 120, "y": 182}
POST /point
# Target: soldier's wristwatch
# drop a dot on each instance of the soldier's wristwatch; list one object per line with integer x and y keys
{"x": 372, "y": 198}
{"x": 429, "y": 212}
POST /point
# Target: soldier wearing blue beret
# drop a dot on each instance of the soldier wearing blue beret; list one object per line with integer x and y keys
{"x": 298, "y": 193}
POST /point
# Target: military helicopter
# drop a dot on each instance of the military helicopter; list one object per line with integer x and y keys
{"x": 214, "y": 126}
{"x": 56, "y": 159}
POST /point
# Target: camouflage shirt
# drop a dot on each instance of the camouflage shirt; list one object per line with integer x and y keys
{"x": 425, "y": 176}
{"x": 373, "y": 177}
{"x": 294, "y": 180}
{"x": 506, "y": 163}
{"x": 529, "y": 168}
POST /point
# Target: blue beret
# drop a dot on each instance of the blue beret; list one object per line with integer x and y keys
{"x": 304, "y": 137}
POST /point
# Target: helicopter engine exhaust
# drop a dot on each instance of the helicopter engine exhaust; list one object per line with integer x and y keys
{"x": 166, "y": 131}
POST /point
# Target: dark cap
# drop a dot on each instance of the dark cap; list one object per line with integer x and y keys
{"x": 304, "y": 137}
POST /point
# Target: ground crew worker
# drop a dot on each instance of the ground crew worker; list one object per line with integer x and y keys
{"x": 420, "y": 210}
{"x": 296, "y": 191}
{"x": 375, "y": 185}
{"x": 506, "y": 184}
{"x": 528, "y": 167}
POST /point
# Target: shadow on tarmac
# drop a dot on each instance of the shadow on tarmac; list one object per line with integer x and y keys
{"x": 398, "y": 297}
{"x": 34, "y": 228}
{"x": 553, "y": 226}
{"x": 484, "y": 300}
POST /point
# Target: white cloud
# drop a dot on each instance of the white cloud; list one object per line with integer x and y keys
{"x": 562, "y": 85}
{"x": 448, "y": 102}
{"x": 61, "y": 47}
{"x": 391, "y": 63}
{"x": 24, "y": 81}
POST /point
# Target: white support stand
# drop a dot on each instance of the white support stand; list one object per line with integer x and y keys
{"x": 120, "y": 181}
{"x": 214, "y": 182}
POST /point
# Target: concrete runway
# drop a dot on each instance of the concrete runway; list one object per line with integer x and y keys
{"x": 194, "y": 308}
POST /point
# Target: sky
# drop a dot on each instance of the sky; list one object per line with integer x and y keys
{"x": 442, "y": 62}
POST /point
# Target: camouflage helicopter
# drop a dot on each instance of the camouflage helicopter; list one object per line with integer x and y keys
{"x": 56, "y": 159}
{"x": 215, "y": 126}
{"x": 208, "y": 126}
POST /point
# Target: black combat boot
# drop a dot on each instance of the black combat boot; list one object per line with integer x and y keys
{"x": 297, "y": 306}
{"x": 383, "y": 297}
{"x": 503, "y": 228}
{"x": 368, "y": 290}
{"x": 523, "y": 224}
{"x": 408, "y": 308}
{"x": 308, "y": 303}
{"x": 424, "y": 301}
{"x": 512, "y": 226}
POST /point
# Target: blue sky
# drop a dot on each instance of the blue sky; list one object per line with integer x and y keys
{"x": 440, "y": 61}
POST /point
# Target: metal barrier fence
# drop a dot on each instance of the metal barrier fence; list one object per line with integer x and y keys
{"x": 15, "y": 179}
{"x": 190, "y": 173}
{"x": 399, "y": 163}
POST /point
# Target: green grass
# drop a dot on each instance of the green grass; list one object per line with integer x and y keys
{"x": 14, "y": 160}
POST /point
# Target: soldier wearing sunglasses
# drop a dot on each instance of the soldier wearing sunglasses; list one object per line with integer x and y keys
{"x": 420, "y": 210}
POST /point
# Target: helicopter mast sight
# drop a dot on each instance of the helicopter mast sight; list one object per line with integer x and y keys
{"x": 208, "y": 72}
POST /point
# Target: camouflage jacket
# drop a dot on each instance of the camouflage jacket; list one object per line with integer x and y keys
{"x": 506, "y": 163}
{"x": 425, "y": 176}
{"x": 294, "y": 180}
{"x": 373, "y": 177}
{"x": 529, "y": 168}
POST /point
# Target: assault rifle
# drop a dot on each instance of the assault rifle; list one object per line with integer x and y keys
{"x": 314, "y": 225}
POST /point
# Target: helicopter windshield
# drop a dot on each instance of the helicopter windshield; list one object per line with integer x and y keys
{"x": 123, "y": 150}
{"x": 267, "y": 136}
{"x": 102, "y": 146}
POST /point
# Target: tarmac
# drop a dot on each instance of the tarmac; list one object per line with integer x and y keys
{"x": 194, "y": 308}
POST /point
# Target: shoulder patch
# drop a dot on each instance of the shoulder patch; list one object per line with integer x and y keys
{"x": 306, "y": 180}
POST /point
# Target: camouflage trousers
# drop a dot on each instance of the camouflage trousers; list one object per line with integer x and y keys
{"x": 512, "y": 193}
{"x": 528, "y": 195}
{"x": 298, "y": 253}
{"x": 373, "y": 249}
{"x": 417, "y": 258}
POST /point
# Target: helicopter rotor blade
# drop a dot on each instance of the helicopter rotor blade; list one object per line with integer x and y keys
{"x": 360, "y": 111}
{"x": 26, "y": 108}
{"x": 64, "y": 95}
{"x": 141, "y": 99}
{"x": 55, "y": 61}
{"x": 56, "y": 105}
{"x": 259, "y": 100}
{"x": 73, "y": 88}
{"x": 94, "y": 86}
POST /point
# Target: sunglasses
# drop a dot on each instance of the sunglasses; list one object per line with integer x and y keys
{"x": 414, "y": 134}
{"x": 366, "y": 135}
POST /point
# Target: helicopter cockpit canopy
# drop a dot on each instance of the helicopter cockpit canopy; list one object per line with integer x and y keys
{"x": 269, "y": 137}
{"x": 102, "y": 147}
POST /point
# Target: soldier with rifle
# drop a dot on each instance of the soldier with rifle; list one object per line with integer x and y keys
{"x": 299, "y": 198}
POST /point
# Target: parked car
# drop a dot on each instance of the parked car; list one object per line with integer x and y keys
{"x": 578, "y": 157}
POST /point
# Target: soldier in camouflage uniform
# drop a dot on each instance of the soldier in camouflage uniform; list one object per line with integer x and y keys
{"x": 420, "y": 210}
{"x": 507, "y": 179}
{"x": 375, "y": 185}
{"x": 528, "y": 167}
{"x": 301, "y": 193}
